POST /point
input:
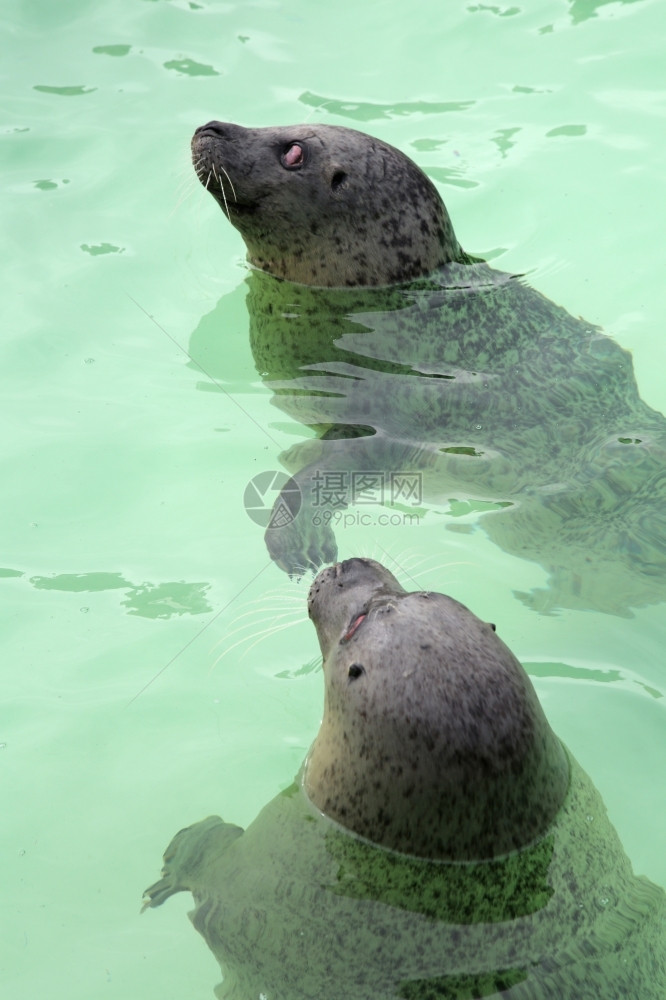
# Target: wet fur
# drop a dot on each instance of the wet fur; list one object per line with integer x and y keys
{"x": 460, "y": 373}
{"x": 299, "y": 906}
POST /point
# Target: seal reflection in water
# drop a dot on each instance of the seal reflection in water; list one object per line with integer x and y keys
{"x": 405, "y": 355}
{"x": 439, "y": 844}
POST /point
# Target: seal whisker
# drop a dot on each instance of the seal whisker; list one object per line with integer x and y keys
{"x": 259, "y": 637}
{"x": 199, "y": 166}
{"x": 276, "y": 595}
{"x": 260, "y": 607}
{"x": 290, "y": 600}
{"x": 261, "y": 611}
{"x": 273, "y": 631}
{"x": 184, "y": 175}
{"x": 442, "y": 567}
{"x": 282, "y": 606}
{"x": 222, "y": 191}
{"x": 424, "y": 564}
{"x": 295, "y": 599}
{"x": 233, "y": 191}
{"x": 200, "y": 171}
{"x": 257, "y": 615}
{"x": 186, "y": 189}
{"x": 397, "y": 562}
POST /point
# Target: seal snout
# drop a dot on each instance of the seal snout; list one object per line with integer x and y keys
{"x": 341, "y": 597}
{"x": 218, "y": 130}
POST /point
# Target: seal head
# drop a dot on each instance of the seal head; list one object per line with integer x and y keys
{"x": 433, "y": 742}
{"x": 325, "y": 205}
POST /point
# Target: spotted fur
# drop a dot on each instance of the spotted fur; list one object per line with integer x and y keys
{"x": 300, "y": 907}
{"x": 316, "y": 222}
{"x": 466, "y": 376}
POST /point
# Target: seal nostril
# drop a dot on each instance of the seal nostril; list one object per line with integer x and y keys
{"x": 217, "y": 129}
{"x": 337, "y": 179}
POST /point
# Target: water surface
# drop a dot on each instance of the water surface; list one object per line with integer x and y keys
{"x": 127, "y": 549}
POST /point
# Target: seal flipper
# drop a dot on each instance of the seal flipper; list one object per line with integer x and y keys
{"x": 186, "y": 856}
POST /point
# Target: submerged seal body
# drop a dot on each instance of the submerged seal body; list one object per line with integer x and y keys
{"x": 434, "y": 365}
{"x": 440, "y": 843}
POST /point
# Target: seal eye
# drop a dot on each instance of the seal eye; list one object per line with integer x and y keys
{"x": 355, "y": 670}
{"x": 293, "y": 156}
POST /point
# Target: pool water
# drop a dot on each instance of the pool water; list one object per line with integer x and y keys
{"x": 157, "y": 667}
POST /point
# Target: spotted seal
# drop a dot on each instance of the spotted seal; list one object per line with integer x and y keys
{"x": 432, "y": 741}
{"x": 440, "y": 842}
{"x": 432, "y": 364}
{"x": 325, "y": 205}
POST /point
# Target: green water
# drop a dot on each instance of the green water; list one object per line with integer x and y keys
{"x": 127, "y": 552}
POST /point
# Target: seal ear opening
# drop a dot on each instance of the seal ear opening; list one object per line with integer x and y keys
{"x": 338, "y": 178}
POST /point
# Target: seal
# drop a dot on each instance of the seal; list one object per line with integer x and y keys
{"x": 433, "y": 741}
{"x": 325, "y": 205}
{"x": 439, "y": 843}
{"x": 434, "y": 366}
